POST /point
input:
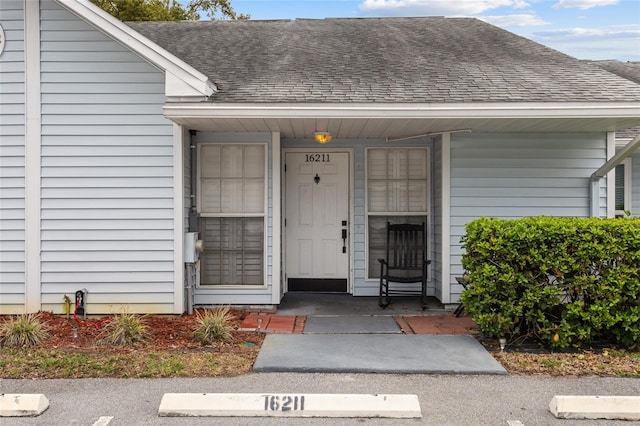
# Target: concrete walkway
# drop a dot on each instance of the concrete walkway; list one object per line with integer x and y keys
{"x": 341, "y": 333}
{"x": 375, "y": 353}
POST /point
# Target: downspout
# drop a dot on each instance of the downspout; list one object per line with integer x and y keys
{"x": 191, "y": 268}
{"x": 620, "y": 156}
{"x": 193, "y": 210}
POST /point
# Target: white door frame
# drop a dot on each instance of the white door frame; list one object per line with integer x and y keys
{"x": 350, "y": 206}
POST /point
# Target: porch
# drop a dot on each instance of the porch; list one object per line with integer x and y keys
{"x": 341, "y": 333}
{"x": 331, "y": 313}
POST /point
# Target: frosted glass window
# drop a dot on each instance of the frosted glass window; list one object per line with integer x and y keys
{"x": 232, "y": 179}
{"x": 397, "y": 180}
{"x": 210, "y": 161}
{"x": 232, "y": 209}
{"x": 397, "y": 191}
{"x": 231, "y": 161}
{"x": 254, "y": 161}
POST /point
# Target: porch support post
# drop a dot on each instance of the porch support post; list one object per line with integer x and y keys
{"x": 276, "y": 219}
{"x": 33, "y": 143}
{"x": 179, "y": 288}
{"x": 611, "y": 177}
{"x": 595, "y": 197}
{"x": 446, "y": 218}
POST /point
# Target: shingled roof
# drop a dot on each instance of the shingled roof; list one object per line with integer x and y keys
{"x": 381, "y": 60}
{"x": 628, "y": 70}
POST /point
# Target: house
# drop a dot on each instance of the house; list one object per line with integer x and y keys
{"x": 627, "y": 173}
{"x": 123, "y": 144}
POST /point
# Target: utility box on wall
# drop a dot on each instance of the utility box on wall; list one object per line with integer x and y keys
{"x": 192, "y": 247}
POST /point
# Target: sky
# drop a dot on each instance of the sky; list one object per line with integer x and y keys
{"x": 585, "y": 29}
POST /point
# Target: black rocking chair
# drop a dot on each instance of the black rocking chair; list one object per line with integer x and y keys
{"x": 406, "y": 263}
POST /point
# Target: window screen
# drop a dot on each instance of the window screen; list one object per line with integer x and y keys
{"x": 620, "y": 187}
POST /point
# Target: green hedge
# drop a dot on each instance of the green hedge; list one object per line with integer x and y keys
{"x": 566, "y": 281}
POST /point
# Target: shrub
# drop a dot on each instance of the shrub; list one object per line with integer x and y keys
{"x": 213, "y": 326}
{"x": 124, "y": 329}
{"x": 566, "y": 281}
{"x": 23, "y": 331}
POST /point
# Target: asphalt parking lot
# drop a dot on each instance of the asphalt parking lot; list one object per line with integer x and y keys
{"x": 444, "y": 399}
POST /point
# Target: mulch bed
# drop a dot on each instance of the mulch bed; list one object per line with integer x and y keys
{"x": 165, "y": 333}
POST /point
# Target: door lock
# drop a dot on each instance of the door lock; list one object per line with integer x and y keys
{"x": 344, "y": 238}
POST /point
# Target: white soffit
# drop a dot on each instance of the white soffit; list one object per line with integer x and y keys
{"x": 181, "y": 81}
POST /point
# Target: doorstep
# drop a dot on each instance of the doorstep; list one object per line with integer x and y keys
{"x": 422, "y": 324}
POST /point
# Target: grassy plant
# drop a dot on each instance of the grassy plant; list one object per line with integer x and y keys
{"x": 213, "y": 326}
{"x": 550, "y": 363}
{"x": 161, "y": 365}
{"x": 125, "y": 329}
{"x": 23, "y": 331}
{"x": 64, "y": 364}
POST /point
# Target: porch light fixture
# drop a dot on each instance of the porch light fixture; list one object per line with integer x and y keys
{"x": 322, "y": 137}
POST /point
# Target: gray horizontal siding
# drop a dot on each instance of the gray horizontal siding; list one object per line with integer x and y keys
{"x": 107, "y": 172}
{"x": 517, "y": 175}
{"x": 12, "y": 159}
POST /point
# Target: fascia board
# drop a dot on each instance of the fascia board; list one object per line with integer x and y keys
{"x": 406, "y": 111}
{"x": 142, "y": 46}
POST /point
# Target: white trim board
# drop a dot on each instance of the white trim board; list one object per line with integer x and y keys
{"x": 179, "y": 134}
{"x": 440, "y": 110}
{"x": 611, "y": 176}
{"x": 276, "y": 219}
{"x": 33, "y": 142}
{"x": 446, "y": 218}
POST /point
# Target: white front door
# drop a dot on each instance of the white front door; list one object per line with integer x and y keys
{"x": 316, "y": 220}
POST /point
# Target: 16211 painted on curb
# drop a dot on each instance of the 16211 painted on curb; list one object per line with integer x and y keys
{"x": 283, "y": 402}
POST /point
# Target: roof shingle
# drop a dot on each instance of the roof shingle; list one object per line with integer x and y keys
{"x": 382, "y": 60}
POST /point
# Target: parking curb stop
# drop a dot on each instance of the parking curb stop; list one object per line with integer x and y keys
{"x": 595, "y": 407}
{"x": 289, "y": 405}
{"x": 22, "y": 405}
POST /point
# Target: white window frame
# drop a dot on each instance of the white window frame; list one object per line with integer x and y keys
{"x": 426, "y": 214}
{"x": 628, "y": 193}
{"x": 264, "y": 214}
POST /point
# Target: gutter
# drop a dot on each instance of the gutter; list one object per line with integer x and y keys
{"x": 620, "y": 156}
{"x": 478, "y": 110}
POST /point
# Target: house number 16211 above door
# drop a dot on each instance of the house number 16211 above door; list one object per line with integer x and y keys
{"x": 317, "y": 158}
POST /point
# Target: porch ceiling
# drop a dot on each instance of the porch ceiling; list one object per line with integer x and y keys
{"x": 392, "y": 128}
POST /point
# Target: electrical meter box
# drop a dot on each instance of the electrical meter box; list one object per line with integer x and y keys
{"x": 191, "y": 247}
